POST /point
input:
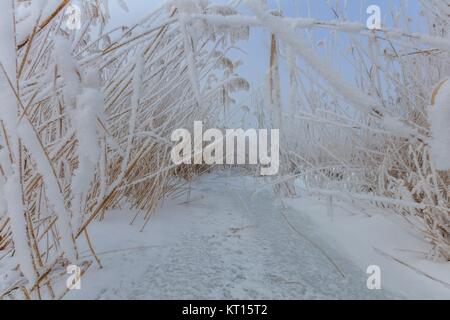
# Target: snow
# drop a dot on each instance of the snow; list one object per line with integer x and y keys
{"x": 228, "y": 241}
{"x": 89, "y": 109}
{"x": 2, "y": 198}
{"x": 190, "y": 51}
{"x": 7, "y": 41}
{"x": 31, "y": 15}
{"x": 52, "y": 185}
{"x": 12, "y": 189}
{"x": 19, "y": 226}
{"x": 28, "y": 17}
{"x": 286, "y": 32}
{"x": 369, "y": 236}
{"x": 67, "y": 67}
{"x": 439, "y": 118}
{"x": 187, "y": 6}
{"x": 8, "y": 67}
{"x": 233, "y": 237}
{"x": 135, "y": 99}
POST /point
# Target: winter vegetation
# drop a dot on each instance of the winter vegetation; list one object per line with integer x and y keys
{"x": 87, "y": 116}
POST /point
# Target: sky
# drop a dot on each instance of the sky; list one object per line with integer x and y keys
{"x": 254, "y": 53}
{"x": 356, "y": 9}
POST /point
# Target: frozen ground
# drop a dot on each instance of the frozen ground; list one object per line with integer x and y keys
{"x": 230, "y": 242}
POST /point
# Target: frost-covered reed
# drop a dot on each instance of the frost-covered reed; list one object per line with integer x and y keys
{"x": 86, "y": 122}
{"x": 87, "y": 116}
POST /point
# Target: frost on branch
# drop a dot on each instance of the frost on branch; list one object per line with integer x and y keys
{"x": 87, "y": 117}
{"x": 85, "y": 125}
{"x": 439, "y": 118}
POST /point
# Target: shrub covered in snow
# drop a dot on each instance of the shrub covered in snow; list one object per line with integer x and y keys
{"x": 86, "y": 122}
{"x": 376, "y": 139}
{"x": 87, "y": 116}
{"x": 439, "y": 118}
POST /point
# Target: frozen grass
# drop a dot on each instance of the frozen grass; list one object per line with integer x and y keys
{"x": 87, "y": 116}
{"x": 379, "y": 139}
{"x": 88, "y": 124}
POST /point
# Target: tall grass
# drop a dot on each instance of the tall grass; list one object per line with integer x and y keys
{"x": 366, "y": 140}
{"x": 90, "y": 114}
{"x": 99, "y": 108}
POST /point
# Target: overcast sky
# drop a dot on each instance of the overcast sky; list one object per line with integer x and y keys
{"x": 256, "y": 48}
{"x": 255, "y": 52}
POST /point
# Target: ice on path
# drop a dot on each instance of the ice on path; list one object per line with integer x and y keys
{"x": 223, "y": 244}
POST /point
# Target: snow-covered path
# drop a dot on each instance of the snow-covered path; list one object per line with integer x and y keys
{"x": 225, "y": 243}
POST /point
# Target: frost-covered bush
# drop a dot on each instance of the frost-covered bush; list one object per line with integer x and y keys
{"x": 87, "y": 115}
{"x": 382, "y": 138}
{"x": 86, "y": 122}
